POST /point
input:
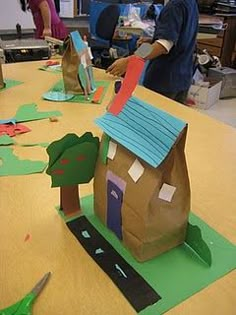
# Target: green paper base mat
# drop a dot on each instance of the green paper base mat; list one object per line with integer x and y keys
{"x": 177, "y": 274}
{"x": 59, "y": 87}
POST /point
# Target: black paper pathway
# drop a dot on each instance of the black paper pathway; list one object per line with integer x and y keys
{"x": 137, "y": 291}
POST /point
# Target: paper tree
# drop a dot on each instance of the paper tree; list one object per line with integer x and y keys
{"x": 77, "y": 66}
{"x": 72, "y": 161}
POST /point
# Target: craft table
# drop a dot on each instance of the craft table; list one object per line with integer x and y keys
{"x": 27, "y": 206}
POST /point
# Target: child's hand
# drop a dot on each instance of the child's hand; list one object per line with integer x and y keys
{"x": 118, "y": 68}
{"x": 47, "y": 32}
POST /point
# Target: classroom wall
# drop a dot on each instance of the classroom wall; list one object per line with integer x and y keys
{"x": 11, "y": 14}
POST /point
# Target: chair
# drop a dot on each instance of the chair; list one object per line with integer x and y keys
{"x": 107, "y": 21}
{"x": 105, "y": 29}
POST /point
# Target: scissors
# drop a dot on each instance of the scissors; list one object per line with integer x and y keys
{"x": 23, "y": 307}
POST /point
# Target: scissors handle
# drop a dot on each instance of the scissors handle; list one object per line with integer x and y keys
{"x": 23, "y": 307}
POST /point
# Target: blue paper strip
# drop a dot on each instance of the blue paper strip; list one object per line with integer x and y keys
{"x": 79, "y": 44}
{"x": 143, "y": 129}
{"x": 8, "y": 121}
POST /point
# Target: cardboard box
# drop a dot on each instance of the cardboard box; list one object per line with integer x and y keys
{"x": 204, "y": 97}
{"x": 228, "y": 77}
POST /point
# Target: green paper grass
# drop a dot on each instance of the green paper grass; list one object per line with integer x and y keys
{"x": 179, "y": 273}
{"x": 195, "y": 241}
{"x": 6, "y": 140}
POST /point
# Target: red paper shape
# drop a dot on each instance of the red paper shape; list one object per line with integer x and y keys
{"x": 52, "y": 63}
{"x": 81, "y": 158}
{"x": 64, "y": 161}
{"x": 27, "y": 237}
{"x": 98, "y": 94}
{"x": 12, "y": 130}
{"x": 131, "y": 79}
{"x": 58, "y": 172}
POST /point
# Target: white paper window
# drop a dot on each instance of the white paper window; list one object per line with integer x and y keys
{"x": 136, "y": 170}
{"x": 111, "y": 150}
{"x": 166, "y": 192}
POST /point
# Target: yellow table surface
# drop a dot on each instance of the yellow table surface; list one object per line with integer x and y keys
{"x": 78, "y": 286}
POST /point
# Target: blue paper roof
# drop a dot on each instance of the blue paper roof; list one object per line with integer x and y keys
{"x": 146, "y": 131}
{"x": 78, "y": 42}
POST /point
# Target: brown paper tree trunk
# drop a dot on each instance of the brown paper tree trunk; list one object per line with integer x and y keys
{"x": 69, "y": 199}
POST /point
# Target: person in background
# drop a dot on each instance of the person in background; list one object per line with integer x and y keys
{"x": 170, "y": 67}
{"x": 46, "y": 19}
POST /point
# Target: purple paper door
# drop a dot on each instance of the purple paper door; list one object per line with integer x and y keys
{"x": 114, "y": 204}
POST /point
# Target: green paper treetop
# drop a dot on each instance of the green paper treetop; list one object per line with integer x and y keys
{"x": 72, "y": 159}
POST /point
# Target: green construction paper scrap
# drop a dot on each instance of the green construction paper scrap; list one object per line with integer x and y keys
{"x": 105, "y": 148}
{"x": 177, "y": 274}
{"x": 6, "y": 140}
{"x": 80, "y": 98}
{"x": 11, "y": 165}
{"x": 30, "y": 112}
{"x": 195, "y": 241}
{"x": 10, "y": 83}
{"x": 41, "y": 144}
{"x": 72, "y": 159}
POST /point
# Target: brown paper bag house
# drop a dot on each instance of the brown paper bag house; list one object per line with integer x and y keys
{"x": 141, "y": 184}
{"x": 77, "y": 66}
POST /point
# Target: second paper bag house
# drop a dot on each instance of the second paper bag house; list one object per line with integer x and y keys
{"x": 77, "y": 66}
{"x": 141, "y": 184}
